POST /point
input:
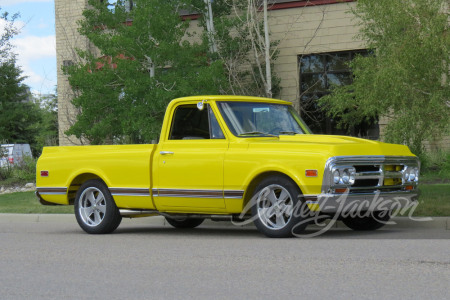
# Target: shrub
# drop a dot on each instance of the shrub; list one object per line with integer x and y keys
{"x": 436, "y": 164}
{"x": 22, "y": 172}
{"x": 26, "y": 169}
{"x": 6, "y": 172}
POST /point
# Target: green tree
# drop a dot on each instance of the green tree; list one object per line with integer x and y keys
{"x": 405, "y": 78}
{"x": 48, "y": 125}
{"x": 8, "y": 32}
{"x": 22, "y": 120}
{"x": 239, "y": 37}
{"x": 19, "y": 115}
{"x": 122, "y": 94}
{"x": 123, "y": 86}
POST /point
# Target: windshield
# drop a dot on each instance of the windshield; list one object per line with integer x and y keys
{"x": 246, "y": 119}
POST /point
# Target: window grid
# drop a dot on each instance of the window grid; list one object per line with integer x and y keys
{"x": 318, "y": 73}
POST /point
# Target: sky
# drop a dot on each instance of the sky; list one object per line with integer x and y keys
{"x": 35, "y": 46}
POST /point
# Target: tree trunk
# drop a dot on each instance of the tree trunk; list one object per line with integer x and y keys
{"x": 267, "y": 53}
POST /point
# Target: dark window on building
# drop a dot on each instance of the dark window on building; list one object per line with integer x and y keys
{"x": 318, "y": 73}
{"x": 67, "y": 63}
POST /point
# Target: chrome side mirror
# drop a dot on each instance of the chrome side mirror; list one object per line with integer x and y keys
{"x": 201, "y": 105}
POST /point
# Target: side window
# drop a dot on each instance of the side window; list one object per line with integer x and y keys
{"x": 216, "y": 131}
{"x": 190, "y": 123}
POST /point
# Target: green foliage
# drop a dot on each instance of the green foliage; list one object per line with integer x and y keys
{"x": 404, "y": 79}
{"x": 48, "y": 125}
{"x": 25, "y": 170}
{"x": 22, "y": 120}
{"x": 19, "y": 116}
{"x": 7, "y": 33}
{"x": 433, "y": 200}
{"x": 122, "y": 90}
{"x": 6, "y": 172}
{"x": 242, "y": 60}
{"x": 117, "y": 94}
{"x": 435, "y": 165}
{"x": 27, "y": 203}
{"x": 19, "y": 173}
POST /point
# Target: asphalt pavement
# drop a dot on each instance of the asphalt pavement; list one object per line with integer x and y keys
{"x": 50, "y": 257}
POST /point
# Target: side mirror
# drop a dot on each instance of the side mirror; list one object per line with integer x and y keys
{"x": 201, "y": 105}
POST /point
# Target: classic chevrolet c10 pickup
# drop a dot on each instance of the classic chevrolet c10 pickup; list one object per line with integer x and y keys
{"x": 231, "y": 158}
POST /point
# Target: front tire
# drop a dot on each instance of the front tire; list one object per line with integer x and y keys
{"x": 375, "y": 221}
{"x": 276, "y": 206}
{"x": 95, "y": 209}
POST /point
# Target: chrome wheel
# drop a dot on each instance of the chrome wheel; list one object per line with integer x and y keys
{"x": 92, "y": 206}
{"x": 274, "y": 206}
{"x": 95, "y": 209}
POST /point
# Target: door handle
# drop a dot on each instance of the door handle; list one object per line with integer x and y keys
{"x": 165, "y": 152}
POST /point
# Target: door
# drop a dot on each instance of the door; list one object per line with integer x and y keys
{"x": 190, "y": 162}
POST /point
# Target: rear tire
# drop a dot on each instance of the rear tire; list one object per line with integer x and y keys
{"x": 185, "y": 223}
{"x": 375, "y": 221}
{"x": 275, "y": 210}
{"x": 95, "y": 209}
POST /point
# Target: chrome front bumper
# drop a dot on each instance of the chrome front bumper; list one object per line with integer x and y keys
{"x": 345, "y": 203}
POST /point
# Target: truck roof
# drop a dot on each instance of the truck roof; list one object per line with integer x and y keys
{"x": 230, "y": 98}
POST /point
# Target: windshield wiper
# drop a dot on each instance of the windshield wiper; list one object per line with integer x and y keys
{"x": 256, "y": 133}
{"x": 289, "y": 132}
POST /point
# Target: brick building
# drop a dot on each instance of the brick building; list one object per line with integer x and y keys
{"x": 316, "y": 38}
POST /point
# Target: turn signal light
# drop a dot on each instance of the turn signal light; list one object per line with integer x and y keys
{"x": 409, "y": 187}
{"x": 340, "y": 191}
{"x": 44, "y": 173}
{"x": 311, "y": 173}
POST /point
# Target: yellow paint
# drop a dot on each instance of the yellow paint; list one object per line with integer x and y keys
{"x": 229, "y": 164}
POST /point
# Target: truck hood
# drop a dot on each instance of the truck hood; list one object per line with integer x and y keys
{"x": 329, "y": 145}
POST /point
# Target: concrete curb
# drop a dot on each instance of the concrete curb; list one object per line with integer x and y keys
{"x": 399, "y": 222}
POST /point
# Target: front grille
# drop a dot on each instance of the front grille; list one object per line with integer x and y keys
{"x": 365, "y": 182}
{"x": 370, "y": 178}
{"x": 367, "y": 168}
{"x": 372, "y": 174}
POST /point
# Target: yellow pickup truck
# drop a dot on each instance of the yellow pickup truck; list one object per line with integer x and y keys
{"x": 231, "y": 158}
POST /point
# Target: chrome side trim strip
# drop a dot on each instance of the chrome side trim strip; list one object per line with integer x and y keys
{"x": 233, "y": 194}
{"x": 181, "y": 193}
{"x": 52, "y": 190}
{"x": 185, "y": 193}
{"x": 130, "y": 192}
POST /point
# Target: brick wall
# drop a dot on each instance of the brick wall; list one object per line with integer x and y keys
{"x": 67, "y": 13}
{"x": 300, "y": 30}
{"x": 306, "y": 30}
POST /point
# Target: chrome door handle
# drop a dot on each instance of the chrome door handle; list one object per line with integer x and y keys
{"x": 165, "y": 152}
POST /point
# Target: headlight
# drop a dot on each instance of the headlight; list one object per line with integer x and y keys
{"x": 352, "y": 172}
{"x": 411, "y": 174}
{"x": 336, "y": 177}
{"x": 344, "y": 176}
{"x": 406, "y": 175}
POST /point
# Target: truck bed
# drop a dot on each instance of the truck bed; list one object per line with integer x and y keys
{"x": 125, "y": 169}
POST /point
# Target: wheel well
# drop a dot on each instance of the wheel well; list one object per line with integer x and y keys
{"x": 255, "y": 181}
{"x": 77, "y": 182}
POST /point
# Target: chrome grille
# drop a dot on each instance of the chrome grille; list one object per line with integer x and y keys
{"x": 373, "y": 173}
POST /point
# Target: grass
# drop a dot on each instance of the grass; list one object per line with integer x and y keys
{"x": 434, "y": 201}
{"x": 27, "y": 203}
